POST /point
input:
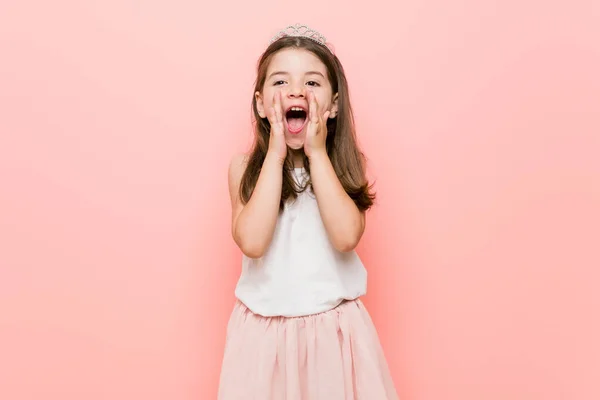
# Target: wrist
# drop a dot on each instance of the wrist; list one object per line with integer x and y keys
{"x": 273, "y": 158}
{"x": 318, "y": 155}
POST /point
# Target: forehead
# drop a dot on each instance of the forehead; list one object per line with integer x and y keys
{"x": 296, "y": 61}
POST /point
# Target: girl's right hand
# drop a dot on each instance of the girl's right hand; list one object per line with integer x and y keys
{"x": 277, "y": 145}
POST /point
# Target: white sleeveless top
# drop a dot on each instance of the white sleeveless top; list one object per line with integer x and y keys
{"x": 301, "y": 273}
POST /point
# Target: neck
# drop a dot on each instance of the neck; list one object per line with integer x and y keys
{"x": 297, "y": 157}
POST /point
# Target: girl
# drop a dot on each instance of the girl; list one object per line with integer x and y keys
{"x": 298, "y": 329}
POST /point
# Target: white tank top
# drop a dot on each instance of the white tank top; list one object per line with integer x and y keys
{"x": 301, "y": 272}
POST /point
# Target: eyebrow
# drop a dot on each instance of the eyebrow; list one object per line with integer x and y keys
{"x": 286, "y": 73}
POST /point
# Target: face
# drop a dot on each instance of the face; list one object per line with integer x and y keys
{"x": 294, "y": 72}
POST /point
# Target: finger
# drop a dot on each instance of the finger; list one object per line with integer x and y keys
{"x": 312, "y": 107}
{"x": 326, "y": 115}
{"x": 274, "y": 107}
{"x": 271, "y": 116}
{"x": 278, "y": 107}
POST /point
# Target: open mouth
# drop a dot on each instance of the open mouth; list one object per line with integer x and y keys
{"x": 295, "y": 119}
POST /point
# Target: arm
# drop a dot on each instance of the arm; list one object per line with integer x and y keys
{"x": 253, "y": 224}
{"x": 343, "y": 221}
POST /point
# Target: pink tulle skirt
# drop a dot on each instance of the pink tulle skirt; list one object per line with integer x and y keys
{"x": 335, "y": 355}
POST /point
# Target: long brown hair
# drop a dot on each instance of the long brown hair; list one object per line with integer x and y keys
{"x": 347, "y": 159}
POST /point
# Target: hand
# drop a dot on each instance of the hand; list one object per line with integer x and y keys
{"x": 316, "y": 133}
{"x": 277, "y": 145}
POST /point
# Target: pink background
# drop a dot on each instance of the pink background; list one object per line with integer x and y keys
{"x": 481, "y": 120}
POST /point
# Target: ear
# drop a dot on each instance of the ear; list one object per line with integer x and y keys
{"x": 334, "y": 106}
{"x": 260, "y": 105}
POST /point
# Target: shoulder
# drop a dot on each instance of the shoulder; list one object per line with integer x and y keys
{"x": 239, "y": 158}
{"x": 237, "y": 164}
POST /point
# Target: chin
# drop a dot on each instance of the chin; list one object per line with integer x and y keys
{"x": 295, "y": 142}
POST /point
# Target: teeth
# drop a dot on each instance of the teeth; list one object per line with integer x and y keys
{"x": 296, "y": 109}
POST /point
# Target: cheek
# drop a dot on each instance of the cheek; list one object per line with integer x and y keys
{"x": 325, "y": 99}
{"x": 324, "y": 103}
{"x": 267, "y": 96}
{"x": 267, "y": 101}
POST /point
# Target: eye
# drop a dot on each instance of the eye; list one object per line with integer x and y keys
{"x": 312, "y": 83}
{"x": 278, "y": 83}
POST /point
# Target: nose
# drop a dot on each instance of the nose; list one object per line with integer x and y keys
{"x": 296, "y": 91}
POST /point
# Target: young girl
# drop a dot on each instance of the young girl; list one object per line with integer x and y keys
{"x": 298, "y": 329}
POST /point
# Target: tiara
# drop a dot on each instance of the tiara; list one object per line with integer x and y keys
{"x": 304, "y": 31}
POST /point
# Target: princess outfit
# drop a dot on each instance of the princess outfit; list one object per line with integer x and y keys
{"x": 299, "y": 330}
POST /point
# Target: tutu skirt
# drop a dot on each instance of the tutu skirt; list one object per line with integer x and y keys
{"x": 334, "y": 355}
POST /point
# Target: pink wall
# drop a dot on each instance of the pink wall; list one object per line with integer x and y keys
{"x": 118, "y": 119}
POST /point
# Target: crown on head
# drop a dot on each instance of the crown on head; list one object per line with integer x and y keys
{"x": 300, "y": 30}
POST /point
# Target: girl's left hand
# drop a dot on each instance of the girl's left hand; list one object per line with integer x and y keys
{"x": 316, "y": 133}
